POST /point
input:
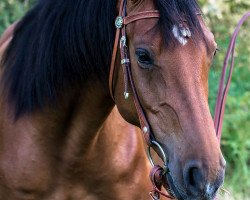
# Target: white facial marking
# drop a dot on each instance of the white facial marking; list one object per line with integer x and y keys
{"x": 181, "y": 34}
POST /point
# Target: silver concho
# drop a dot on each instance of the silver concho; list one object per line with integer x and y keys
{"x": 119, "y": 22}
{"x": 123, "y": 41}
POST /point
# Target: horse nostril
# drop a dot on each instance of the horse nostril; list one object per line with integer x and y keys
{"x": 194, "y": 179}
{"x": 193, "y": 176}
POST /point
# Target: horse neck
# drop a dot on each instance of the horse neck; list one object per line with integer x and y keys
{"x": 81, "y": 112}
{"x": 89, "y": 113}
{"x": 73, "y": 122}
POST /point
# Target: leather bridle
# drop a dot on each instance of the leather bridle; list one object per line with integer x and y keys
{"x": 121, "y": 40}
{"x": 158, "y": 173}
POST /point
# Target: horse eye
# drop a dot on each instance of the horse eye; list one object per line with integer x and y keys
{"x": 144, "y": 58}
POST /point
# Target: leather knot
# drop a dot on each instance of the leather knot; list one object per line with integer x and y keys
{"x": 157, "y": 178}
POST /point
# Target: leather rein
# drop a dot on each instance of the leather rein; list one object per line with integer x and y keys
{"x": 226, "y": 81}
{"x": 157, "y": 175}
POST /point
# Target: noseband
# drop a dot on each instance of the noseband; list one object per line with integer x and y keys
{"x": 157, "y": 173}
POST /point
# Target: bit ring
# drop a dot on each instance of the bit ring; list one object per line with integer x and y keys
{"x": 164, "y": 157}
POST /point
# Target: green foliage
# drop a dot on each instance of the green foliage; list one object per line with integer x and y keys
{"x": 236, "y": 140}
{"x": 11, "y": 10}
{"x": 221, "y": 17}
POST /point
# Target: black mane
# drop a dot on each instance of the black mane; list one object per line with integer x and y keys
{"x": 60, "y": 43}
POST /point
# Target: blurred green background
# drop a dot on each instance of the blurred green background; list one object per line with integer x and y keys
{"x": 222, "y": 17}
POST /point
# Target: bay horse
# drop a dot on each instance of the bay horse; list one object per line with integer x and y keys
{"x": 123, "y": 153}
{"x": 56, "y": 95}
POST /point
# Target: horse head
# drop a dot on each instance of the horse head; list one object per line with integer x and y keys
{"x": 170, "y": 59}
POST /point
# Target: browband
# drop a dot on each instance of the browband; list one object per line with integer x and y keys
{"x": 120, "y": 22}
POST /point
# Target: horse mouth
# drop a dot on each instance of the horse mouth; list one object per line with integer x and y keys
{"x": 175, "y": 193}
{"x": 172, "y": 189}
